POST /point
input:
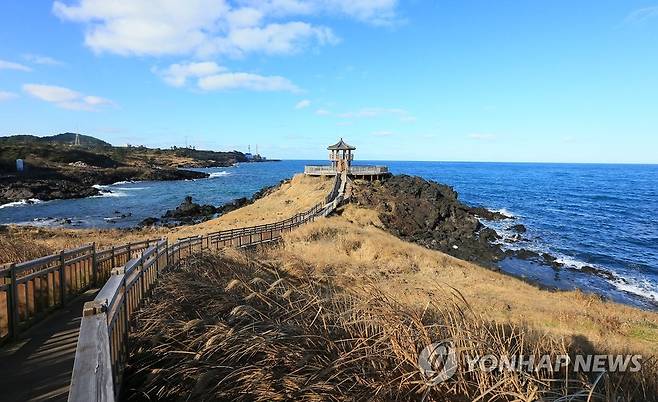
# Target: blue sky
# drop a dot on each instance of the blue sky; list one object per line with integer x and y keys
{"x": 542, "y": 80}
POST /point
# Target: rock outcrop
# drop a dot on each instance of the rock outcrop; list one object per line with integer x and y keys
{"x": 430, "y": 214}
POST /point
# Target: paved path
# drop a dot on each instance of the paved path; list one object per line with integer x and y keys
{"x": 38, "y": 366}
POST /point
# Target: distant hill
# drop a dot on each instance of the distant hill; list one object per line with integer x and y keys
{"x": 86, "y": 141}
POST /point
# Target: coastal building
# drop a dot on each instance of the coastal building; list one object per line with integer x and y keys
{"x": 341, "y": 157}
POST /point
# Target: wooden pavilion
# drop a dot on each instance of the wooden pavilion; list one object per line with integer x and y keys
{"x": 341, "y": 157}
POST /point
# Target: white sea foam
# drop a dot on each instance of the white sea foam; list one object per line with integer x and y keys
{"x": 572, "y": 262}
{"x": 505, "y": 212}
{"x": 639, "y": 287}
{"x": 29, "y": 201}
{"x": 218, "y": 174}
{"x": 110, "y": 194}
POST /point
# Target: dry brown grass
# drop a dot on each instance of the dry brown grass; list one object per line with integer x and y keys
{"x": 18, "y": 248}
{"x": 297, "y": 195}
{"x": 19, "y": 244}
{"x": 352, "y": 254}
{"x": 234, "y": 328}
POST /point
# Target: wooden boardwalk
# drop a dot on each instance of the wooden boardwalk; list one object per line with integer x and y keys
{"x": 38, "y": 366}
{"x": 41, "y": 320}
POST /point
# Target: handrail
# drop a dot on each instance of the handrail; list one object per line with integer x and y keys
{"x": 30, "y": 290}
{"x": 104, "y": 347}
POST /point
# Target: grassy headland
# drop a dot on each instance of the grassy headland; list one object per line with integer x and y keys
{"x": 55, "y": 168}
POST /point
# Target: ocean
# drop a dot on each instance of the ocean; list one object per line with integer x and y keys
{"x": 587, "y": 215}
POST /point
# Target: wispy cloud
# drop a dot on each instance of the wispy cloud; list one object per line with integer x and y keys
{"x": 40, "y": 59}
{"x": 322, "y": 112}
{"x": 9, "y": 65}
{"x": 4, "y": 95}
{"x": 303, "y": 104}
{"x": 66, "y": 98}
{"x": 641, "y": 15}
{"x": 252, "y": 82}
{"x": 382, "y": 133}
{"x": 177, "y": 74}
{"x": 370, "y": 112}
{"x": 482, "y": 137}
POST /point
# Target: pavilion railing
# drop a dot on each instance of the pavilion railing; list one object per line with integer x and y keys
{"x": 353, "y": 170}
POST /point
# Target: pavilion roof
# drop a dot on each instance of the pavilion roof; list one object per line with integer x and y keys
{"x": 341, "y": 146}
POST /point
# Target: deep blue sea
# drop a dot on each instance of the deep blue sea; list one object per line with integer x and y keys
{"x": 601, "y": 216}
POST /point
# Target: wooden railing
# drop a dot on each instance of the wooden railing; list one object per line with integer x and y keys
{"x": 353, "y": 170}
{"x": 30, "y": 290}
{"x": 102, "y": 344}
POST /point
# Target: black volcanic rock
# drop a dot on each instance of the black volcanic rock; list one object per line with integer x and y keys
{"x": 44, "y": 190}
{"x": 519, "y": 228}
{"x": 189, "y": 212}
{"x": 149, "y": 222}
{"x": 430, "y": 214}
{"x": 489, "y": 215}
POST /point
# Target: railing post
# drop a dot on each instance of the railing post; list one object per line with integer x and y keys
{"x": 62, "y": 278}
{"x": 141, "y": 277}
{"x": 94, "y": 267}
{"x": 167, "y": 253}
{"x": 13, "y": 304}
{"x": 114, "y": 264}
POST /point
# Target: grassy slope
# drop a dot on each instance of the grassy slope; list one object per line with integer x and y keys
{"x": 355, "y": 253}
{"x": 352, "y": 250}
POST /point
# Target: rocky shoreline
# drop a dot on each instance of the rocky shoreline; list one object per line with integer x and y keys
{"x": 190, "y": 213}
{"x": 79, "y": 182}
{"x": 430, "y": 214}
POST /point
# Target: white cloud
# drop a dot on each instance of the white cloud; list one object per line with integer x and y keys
{"x": 641, "y": 15}
{"x": 44, "y": 60}
{"x": 322, "y": 112}
{"x": 253, "y": 82}
{"x": 302, "y": 104}
{"x": 177, "y": 74}
{"x": 205, "y": 28}
{"x": 274, "y": 38}
{"x": 4, "y": 95}
{"x": 65, "y": 98}
{"x": 8, "y": 65}
{"x": 212, "y": 77}
{"x": 482, "y": 137}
